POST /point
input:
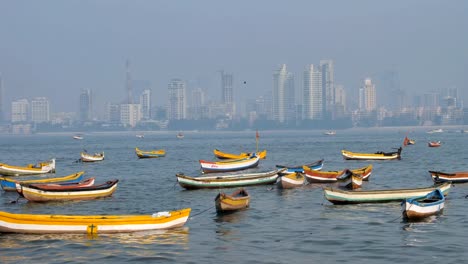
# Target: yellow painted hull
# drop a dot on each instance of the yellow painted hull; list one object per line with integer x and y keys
{"x": 92, "y": 224}
{"x": 223, "y": 155}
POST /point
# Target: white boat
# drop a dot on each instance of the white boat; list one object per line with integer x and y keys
{"x": 30, "y": 169}
{"x": 418, "y": 208}
{"x": 330, "y": 132}
{"x": 439, "y": 130}
{"x": 140, "y": 135}
{"x": 85, "y": 157}
{"x": 78, "y": 137}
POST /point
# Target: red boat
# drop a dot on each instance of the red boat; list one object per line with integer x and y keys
{"x": 64, "y": 186}
{"x": 434, "y": 144}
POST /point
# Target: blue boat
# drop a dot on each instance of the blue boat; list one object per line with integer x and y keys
{"x": 8, "y": 184}
{"x": 316, "y": 165}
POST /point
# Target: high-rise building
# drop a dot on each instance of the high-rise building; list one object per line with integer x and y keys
{"x": 145, "y": 102}
{"x": 130, "y": 114}
{"x": 128, "y": 83}
{"x": 370, "y": 103}
{"x": 1, "y": 100}
{"x": 177, "y": 101}
{"x": 283, "y": 105}
{"x": 85, "y": 105}
{"x": 112, "y": 113}
{"x": 340, "y": 101}
{"x": 312, "y": 97}
{"x": 197, "y": 106}
{"x": 328, "y": 87}
{"x": 20, "y": 111}
{"x": 227, "y": 87}
{"x": 40, "y": 111}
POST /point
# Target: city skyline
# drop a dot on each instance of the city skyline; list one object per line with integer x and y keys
{"x": 53, "y": 52}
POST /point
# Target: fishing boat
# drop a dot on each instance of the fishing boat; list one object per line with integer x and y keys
{"x": 10, "y": 184}
{"x": 35, "y": 194}
{"x": 350, "y": 180}
{"x": 419, "y": 208}
{"x": 407, "y": 141}
{"x": 85, "y": 157}
{"x": 229, "y": 165}
{"x": 62, "y": 186}
{"x": 90, "y": 224}
{"x": 30, "y": 169}
{"x": 439, "y": 130}
{"x": 180, "y": 135}
{"x": 339, "y": 196}
{"x": 316, "y": 165}
{"x": 454, "y": 177}
{"x": 224, "y": 155}
{"x": 330, "y": 133}
{"x": 238, "y": 200}
{"x": 434, "y": 144}
{"x": 227, "y": 180}
{"x": 348, "y": 155}
{"x": 290, "y": 180}
{"x": 142, "y": 154}
{"x": 314, "y": 176}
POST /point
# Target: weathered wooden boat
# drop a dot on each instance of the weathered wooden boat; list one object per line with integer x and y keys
{"x": 228, "y": 180}
{"x": 454, "y": 177}
{"x": 62, "y": 186}
{"x": 419, "y": 208}
{"x": 35, "y": 194}
{"x": 239, "y": 199}
{"x": 339, "y": 196}
{"x": 314, "y": 176}
{"x": 229, "y": 165}
{"x": 10, "y": 184}
{"x": 86, "y": 157}
{"x": 150, "y": 154}
{"x": 224, "y": 155}
{"x": 316, "y": 165}
{"x": 434, "y": 144}
{"x": 350, "y": 180}
{"x": 290, "y": 180}
{"x": 90, "y": 224}
{"x": 348, "y": 155}
{"x": 30, "y": 169}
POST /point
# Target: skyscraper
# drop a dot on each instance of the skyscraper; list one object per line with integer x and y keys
{"x": 145, "y": 102}
{"x": 128, "y": 83}
{"x": 130, "y": 114}
{"x": 85, "y": 105}
{"x": 227, "y": 92}
{"x": 20, "y": 111}
{"x": 40, "y": 111}
{"x": 328, "y": 87}
{"x": 283, "y": 95}
{"x": 177, "y": 101}
{"x": 312, "y": 100}
{"x": 370, "y": 103}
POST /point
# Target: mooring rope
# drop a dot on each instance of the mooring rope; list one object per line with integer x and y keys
{"x": 202, "y": 212}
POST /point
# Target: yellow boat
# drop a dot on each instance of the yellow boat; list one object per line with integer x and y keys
{"x": 150, "y": 154}
{"x": 90, "y": 224}
{"x": 239, "y": 199}
{"x": 30, "y": 169}
{"x": 224, "y": 155}
{"x": 10, "y": 184}
{"x": 348, "y": 155}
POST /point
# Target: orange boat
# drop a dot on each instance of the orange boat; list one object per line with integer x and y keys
{"x": 434, "y": 144}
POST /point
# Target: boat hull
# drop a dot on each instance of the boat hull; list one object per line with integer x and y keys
{"x": 417, "y": 209}
{"x": 227, "y": 181}
{"x": 150, "y": 154}
{"x": 85, "y": 157}
{"x": 92, "y": 224}
{"x": 313, "y": 176}
{"x": 238, "y": 200}
{"x": 9, "y": 170}
{"x": 224, "y": 155}
{"x": 455, "y": 177}
{"x": 86, "y": 193}
{"x": 337, "y": 196}
{"x": 291, "y": 180}
{"x": 348, "y": 155}
{"x": 229, "y": 165}
{"x": 10, "y": 185}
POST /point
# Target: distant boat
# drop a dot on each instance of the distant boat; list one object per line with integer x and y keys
{"x": 85, "y": 157}
{"x": 434, "y": 144}
{"x": 139, "y": 135}
{"x": 439, "y": 130}
{"x": 78, "y": 137}
{"x": 330, "y": 132}
{"x": 180, "y": 135}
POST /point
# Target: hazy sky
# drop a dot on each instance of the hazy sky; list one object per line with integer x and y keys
{"x": 56, "y": 48}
